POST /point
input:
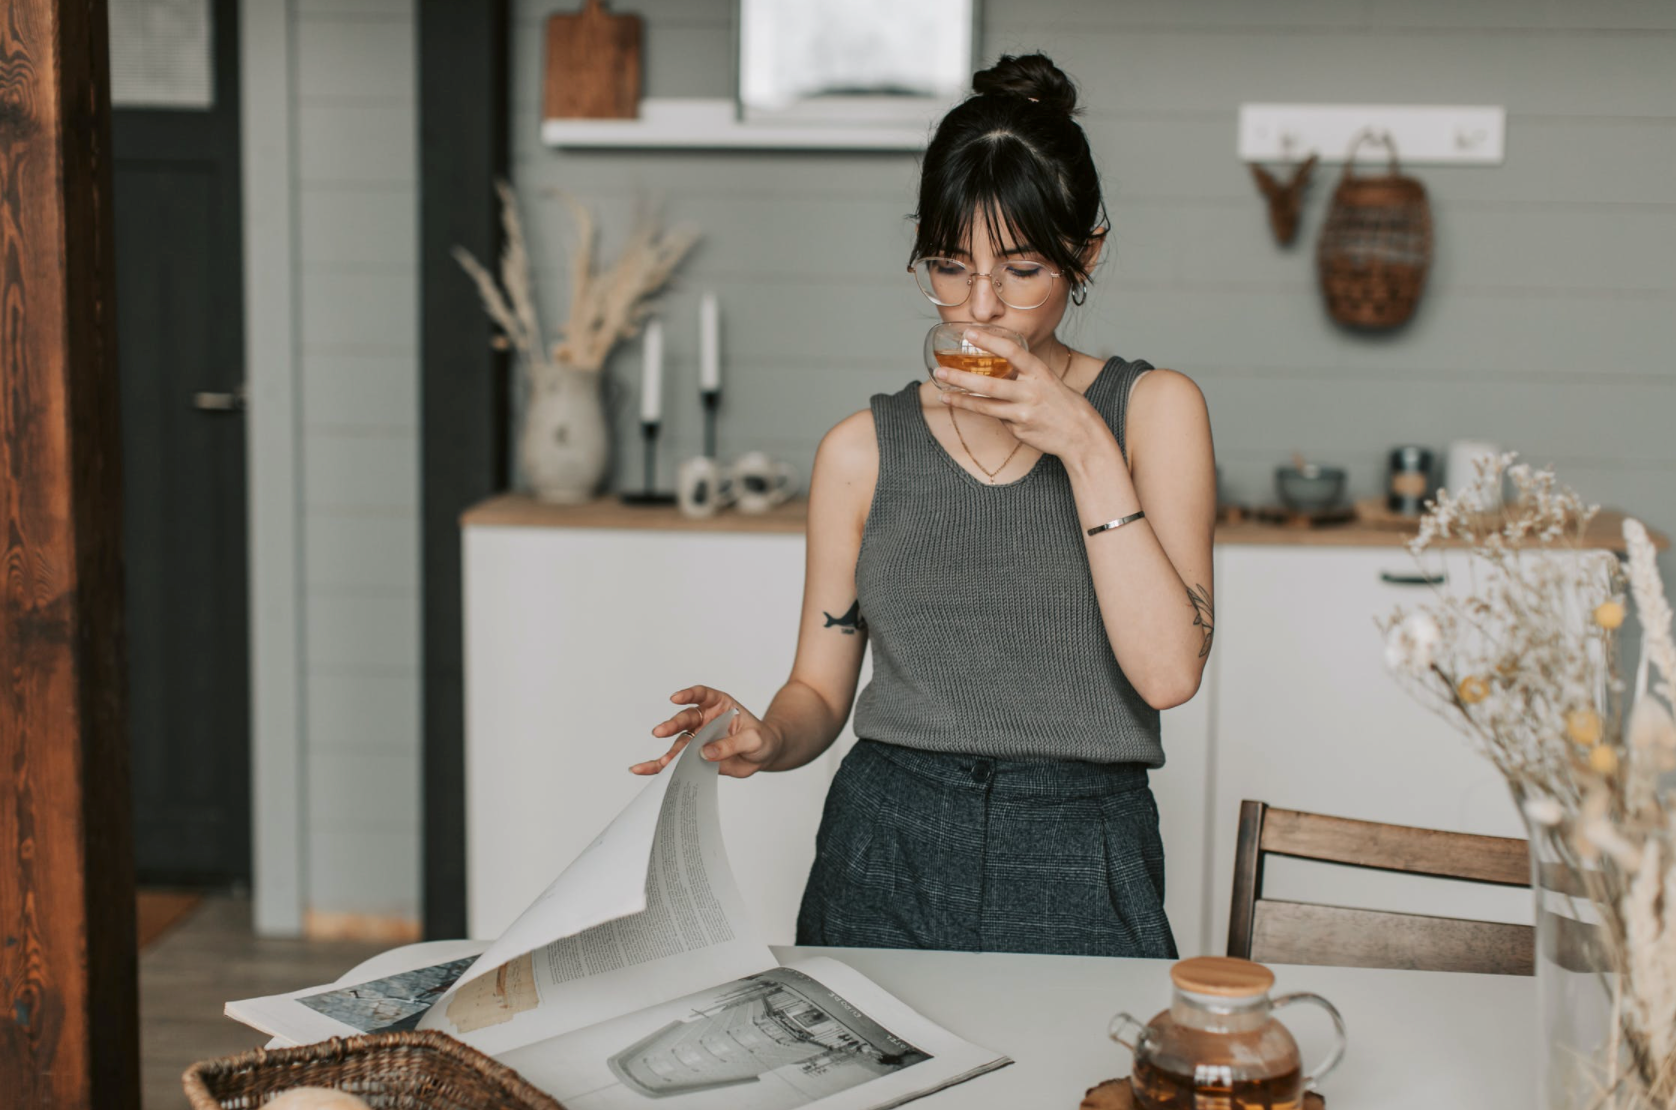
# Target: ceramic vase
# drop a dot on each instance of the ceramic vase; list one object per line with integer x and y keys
{"x": 564, "y": 442}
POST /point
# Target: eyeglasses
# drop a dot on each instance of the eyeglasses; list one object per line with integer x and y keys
{"x": 947, "y": 282}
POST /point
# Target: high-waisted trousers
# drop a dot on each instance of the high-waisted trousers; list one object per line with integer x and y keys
{"x": 930, "y": 850}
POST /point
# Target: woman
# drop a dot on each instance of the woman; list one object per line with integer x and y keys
{"x": 1031, "y": 562}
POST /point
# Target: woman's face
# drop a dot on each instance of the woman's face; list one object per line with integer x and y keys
{"x": 984, "y": 306}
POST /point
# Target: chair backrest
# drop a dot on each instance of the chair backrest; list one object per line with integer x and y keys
{"x": 1272, "y": 931}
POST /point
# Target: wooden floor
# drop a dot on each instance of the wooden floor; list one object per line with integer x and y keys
{"x": 210, "y": 958}
{"x": 159, "y": 911}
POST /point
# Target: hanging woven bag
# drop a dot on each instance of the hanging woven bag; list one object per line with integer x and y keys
{"x": 1377, "y": 243}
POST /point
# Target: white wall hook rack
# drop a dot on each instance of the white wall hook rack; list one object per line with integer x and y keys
{"x": 1425, "y": 134}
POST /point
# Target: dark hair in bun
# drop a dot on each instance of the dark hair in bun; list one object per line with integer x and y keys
{"x": 1033, "y": 76}
{"x": 1012, "y": 155}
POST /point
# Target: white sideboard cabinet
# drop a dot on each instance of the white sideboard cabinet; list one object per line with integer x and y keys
{"x": 580, "y": 622}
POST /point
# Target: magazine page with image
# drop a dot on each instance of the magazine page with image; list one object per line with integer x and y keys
{"x": 637, "y": 978}
{"x": 815, "y": 1033}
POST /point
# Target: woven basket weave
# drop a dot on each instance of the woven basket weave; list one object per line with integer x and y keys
{"x": 420, "y": 1070}
{"x": 1376, "y": 246}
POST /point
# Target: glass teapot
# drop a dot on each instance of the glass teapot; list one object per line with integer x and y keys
{"x": 1218, "y": 1045}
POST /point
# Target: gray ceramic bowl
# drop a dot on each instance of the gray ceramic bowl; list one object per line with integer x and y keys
{"x": 1311, "y": 489}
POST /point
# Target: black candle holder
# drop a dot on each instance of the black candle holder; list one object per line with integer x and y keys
{"x": 712, "y": 402}
{"x": 648, "y": 495}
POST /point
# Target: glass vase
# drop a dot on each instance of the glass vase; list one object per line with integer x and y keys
{"x": 1583, "y": 1060}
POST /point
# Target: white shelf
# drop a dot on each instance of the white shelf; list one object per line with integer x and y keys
{"x": 714, "y": 125}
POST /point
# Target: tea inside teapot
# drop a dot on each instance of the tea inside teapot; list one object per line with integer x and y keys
{"x": 1218, "y": 1045}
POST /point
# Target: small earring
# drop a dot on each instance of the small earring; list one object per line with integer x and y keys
{"x": 1079, "y": 293}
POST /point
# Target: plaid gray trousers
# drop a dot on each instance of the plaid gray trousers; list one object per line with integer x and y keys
{"x": 932, "y": 850}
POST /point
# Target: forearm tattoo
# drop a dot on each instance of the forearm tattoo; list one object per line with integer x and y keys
{"x": 1203, "y": 615}
{"x": 850, "y": 622}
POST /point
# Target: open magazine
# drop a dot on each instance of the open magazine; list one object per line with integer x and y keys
{"x": 636, "y": 979}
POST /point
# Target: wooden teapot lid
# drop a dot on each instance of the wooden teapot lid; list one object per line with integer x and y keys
{"x": 1223, "y": 976}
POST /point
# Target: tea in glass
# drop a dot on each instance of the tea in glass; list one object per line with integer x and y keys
{"x": 947, "y": 345}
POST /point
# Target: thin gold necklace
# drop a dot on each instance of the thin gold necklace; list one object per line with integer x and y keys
{"x": 990, "y": 474}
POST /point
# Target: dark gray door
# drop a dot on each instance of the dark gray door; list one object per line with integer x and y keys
{"x": 180, "y": 310}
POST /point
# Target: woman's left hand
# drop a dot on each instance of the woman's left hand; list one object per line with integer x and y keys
{"x": 1036, "y": 406}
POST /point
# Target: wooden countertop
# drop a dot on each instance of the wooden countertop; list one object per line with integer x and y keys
{"x": 1605, "y": 531}
{"x": 514, "y": 510}
{"x": 518, "y": 510}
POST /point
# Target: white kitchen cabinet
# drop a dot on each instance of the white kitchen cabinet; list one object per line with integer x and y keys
{"x": 575, "y": 638}
{"x": 1307, "y": 717}
{"x": 581, "y": 622}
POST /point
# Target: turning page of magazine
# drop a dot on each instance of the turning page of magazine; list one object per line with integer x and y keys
{"x": 649, "y": 911}
{"x": 637, "y": 977}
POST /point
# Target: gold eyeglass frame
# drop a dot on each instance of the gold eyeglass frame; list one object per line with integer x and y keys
{"x": 972, "y": 276}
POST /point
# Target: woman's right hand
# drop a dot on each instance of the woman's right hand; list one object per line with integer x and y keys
{"x": 749, "y": 746}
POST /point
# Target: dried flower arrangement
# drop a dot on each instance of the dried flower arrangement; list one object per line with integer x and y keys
{"x": 1524, "y": 660}
{"x": 606, "y": 305}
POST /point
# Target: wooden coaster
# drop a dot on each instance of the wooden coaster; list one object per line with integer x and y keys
{"x": 1114, "y": 1094}
{"x": 1228, "y": 512}
{"x": 1372, "y": 512}
{"x": 1297, "y": 518}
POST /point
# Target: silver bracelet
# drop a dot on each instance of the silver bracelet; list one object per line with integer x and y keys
{"x": 1111, "y": 525}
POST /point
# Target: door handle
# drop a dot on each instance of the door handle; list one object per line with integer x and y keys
{"x": 210, "y": 401}
{"x": 1390, "y": 579}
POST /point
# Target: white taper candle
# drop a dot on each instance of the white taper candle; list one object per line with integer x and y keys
{"x": 709, "y": 344}
{"x": 651, "y": 374}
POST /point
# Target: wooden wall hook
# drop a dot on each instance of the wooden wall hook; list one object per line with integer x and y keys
{"x": 1284, "y": 198}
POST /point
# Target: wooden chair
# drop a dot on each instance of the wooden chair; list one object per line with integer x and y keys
{"x": 1272, "y": 931}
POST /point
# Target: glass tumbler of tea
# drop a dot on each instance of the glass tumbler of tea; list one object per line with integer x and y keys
{"x": 1219, "y": 1044}
{"x": 947, "y": 345}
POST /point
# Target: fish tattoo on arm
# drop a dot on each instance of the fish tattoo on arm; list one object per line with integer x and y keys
{"x": 850, "y": 622}
{"x": 1204, "y": 616}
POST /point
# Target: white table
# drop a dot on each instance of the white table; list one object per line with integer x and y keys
{"x": 1417, "y": 1038}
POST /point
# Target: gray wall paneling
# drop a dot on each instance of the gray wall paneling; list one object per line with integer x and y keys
{"x": 357, "y": 369}
{"x": 1548, "y": 324}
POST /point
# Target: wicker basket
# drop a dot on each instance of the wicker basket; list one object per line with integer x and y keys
{"x": 1377, "y": 244}
{"x": 390, "y": 1071}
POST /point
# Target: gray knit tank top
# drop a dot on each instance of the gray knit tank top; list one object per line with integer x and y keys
{"x": 980, "y": 607}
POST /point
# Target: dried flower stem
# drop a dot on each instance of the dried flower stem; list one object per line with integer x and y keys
{"x": 1524, "y": 661}
{"x": 604, "y": 308}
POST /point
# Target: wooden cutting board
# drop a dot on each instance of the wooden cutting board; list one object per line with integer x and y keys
{"x": 593, "y": 65}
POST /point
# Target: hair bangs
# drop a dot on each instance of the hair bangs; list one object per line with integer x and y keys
{"x": 996, "y": 180}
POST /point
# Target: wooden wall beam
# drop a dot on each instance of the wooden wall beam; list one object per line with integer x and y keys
{"x": 68, "y": 1013}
